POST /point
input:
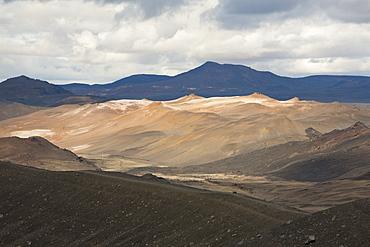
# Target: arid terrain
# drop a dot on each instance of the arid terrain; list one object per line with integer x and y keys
{"x": 40, "y": 153}
{"x": 310, "y": 175}
{"x": 188, "y": 131}
{"x": 14, "y": 109}
{"x": 94, "y": 208}
{"x": 188, "y": 123}
{"x": 276, "y": 164}
{"x": 344, "y": 225}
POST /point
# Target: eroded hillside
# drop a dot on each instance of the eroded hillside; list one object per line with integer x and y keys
{"x": 189, "y": 131}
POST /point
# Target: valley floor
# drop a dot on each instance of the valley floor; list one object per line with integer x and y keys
{"x": 307, "y": 196}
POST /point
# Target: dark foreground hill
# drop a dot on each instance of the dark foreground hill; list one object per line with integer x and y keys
{"x": 39, "y": 152}
{"x": 213, "y": 79}
{"x": 44, "y": 208}
{"x": 344, "y": 225}
{"x": 28, "y": 91}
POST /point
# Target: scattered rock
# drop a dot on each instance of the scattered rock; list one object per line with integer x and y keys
{"x": 151, "y": 176}
{"x": 311, "y": 132}
{"x": 360, "y": 125}
{"x": 311, "y": 239}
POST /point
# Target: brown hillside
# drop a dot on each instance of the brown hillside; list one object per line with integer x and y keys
{"x": 38, "y": 152}
{"x": 189, "y": 131}
{"x": 311, "y": 175}
{"x": 13, "y": 109}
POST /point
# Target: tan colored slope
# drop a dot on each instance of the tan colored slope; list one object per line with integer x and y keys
{"x": 38, "y": 152}
{"x": 190, "y": 130}
{"x": 14, "y": 109}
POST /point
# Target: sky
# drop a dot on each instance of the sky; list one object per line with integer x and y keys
{"x": 100, "y": 41}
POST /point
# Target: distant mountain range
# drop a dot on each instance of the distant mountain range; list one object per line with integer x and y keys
{"x": 28, "y": 91}
{"x": 208, "y": 80}
{"x": 213, "y": 79}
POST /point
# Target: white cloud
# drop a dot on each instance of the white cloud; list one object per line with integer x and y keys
{"x": 104, "y": 40}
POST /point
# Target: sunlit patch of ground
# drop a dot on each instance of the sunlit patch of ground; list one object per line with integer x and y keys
{"x": 307, "y": 196}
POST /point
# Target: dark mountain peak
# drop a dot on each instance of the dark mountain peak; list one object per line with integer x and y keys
{"x": 214, "y": 65}
{"x": 210, "y": 64}
{"x": 226, "y": 65}
{"x": 204, "y": 67}
{"x": 26, "y": 90}
{"x": 226, "y": 76}
{"x": 22, "y": 79}
{"x": 24, "y": 83}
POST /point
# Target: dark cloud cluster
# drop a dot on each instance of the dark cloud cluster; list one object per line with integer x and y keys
{"x": 244, "y": 14}
{"x": 150, "y": 8}
{"x": 252, "y": 7}
{"x": 356, "y": 11}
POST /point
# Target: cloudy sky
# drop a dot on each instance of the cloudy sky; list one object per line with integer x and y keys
{"x": 100, "y": 41}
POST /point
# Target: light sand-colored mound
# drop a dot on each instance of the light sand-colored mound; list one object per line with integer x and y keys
{"x": 187, "y": 131}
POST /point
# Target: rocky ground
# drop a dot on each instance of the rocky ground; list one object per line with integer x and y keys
{"x": 94, "y": 208}
{"x": 345, "y": 225}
